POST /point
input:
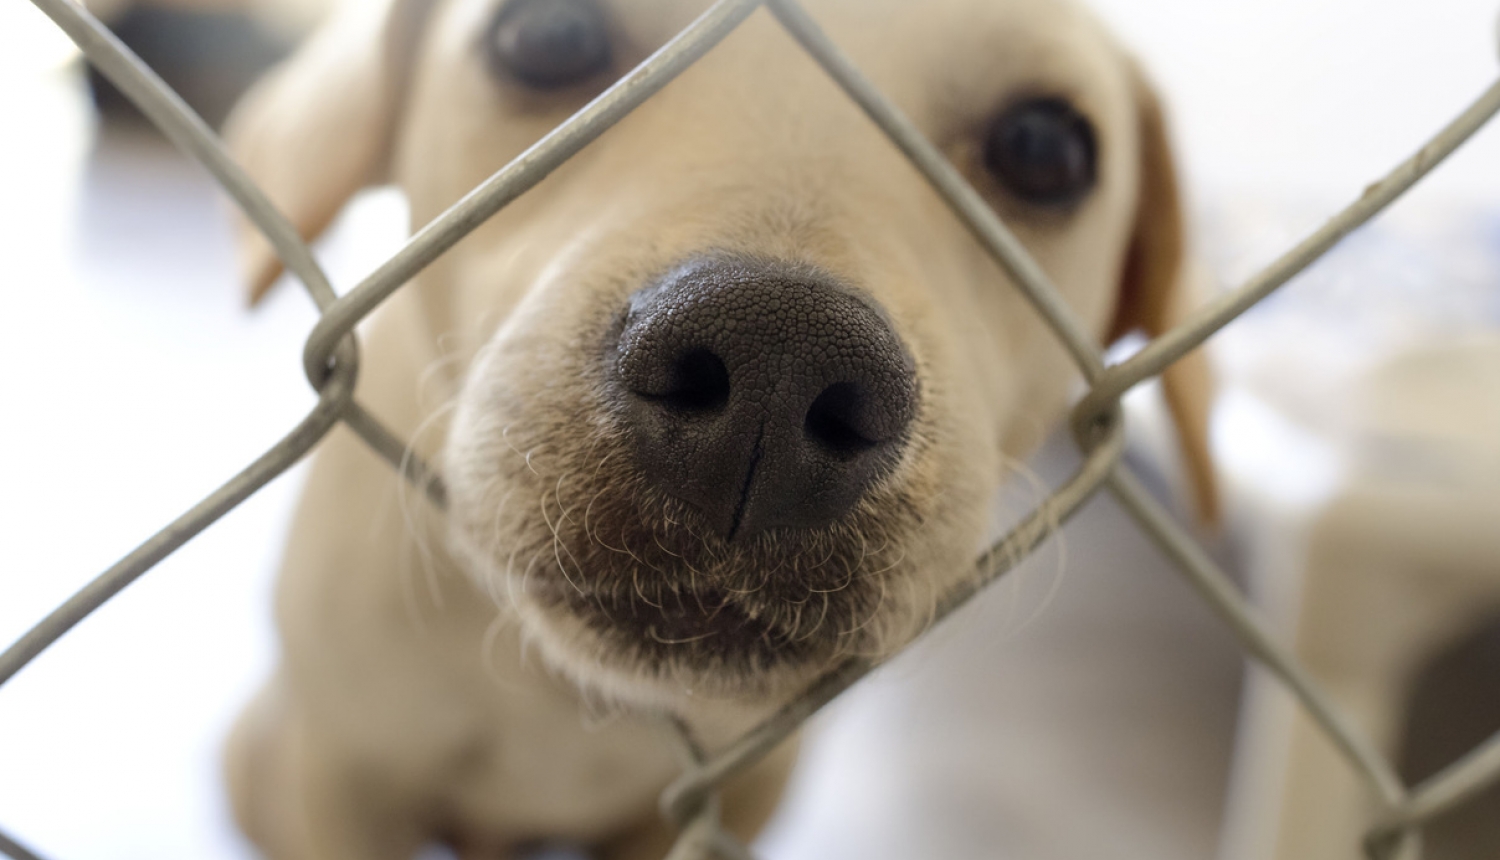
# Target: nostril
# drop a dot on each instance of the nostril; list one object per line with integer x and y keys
{"x": 699, "y": 383}
{"x": 833, "y": 422}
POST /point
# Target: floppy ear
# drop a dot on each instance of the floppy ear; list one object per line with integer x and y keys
{"x": 1155, "y": 295}
{"x": 320, "y": 127}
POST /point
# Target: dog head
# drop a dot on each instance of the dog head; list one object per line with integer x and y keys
{"x": 738, "y": 388}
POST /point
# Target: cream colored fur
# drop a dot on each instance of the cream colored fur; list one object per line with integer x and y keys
{"x": 422, "y": 693}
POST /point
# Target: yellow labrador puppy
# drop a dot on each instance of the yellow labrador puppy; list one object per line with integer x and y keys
{"x": 722, "y": 401}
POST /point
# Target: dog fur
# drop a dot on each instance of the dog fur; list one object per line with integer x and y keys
{"x": 433, "y": 685}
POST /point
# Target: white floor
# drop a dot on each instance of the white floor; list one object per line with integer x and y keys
{"x": 1085, "y": 709}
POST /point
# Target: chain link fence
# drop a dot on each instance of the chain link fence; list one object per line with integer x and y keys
{"x": 331, "y": 362}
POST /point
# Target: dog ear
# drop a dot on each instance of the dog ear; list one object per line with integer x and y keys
{"x": 1155, "y": 295}
{"x": 320, "y": 127}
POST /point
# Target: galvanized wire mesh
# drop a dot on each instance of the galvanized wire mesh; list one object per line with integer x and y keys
{"x": 331, "y": 362}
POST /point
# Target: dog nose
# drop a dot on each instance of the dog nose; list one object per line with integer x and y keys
{"x": 766, "y": 395}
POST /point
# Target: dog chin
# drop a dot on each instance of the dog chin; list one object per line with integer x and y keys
{"x": 655, "y": 656}
{"x": 681, "y": 612}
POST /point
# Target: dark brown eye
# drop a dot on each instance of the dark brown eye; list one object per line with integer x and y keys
{"x": 1043, "y": 151}
{"x": 549, "y": 44}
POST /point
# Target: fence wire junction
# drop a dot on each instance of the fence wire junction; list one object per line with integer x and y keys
{"x": 331, "y": 362}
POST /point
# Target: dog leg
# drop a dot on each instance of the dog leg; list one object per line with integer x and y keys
{"x": 298, "y": 800}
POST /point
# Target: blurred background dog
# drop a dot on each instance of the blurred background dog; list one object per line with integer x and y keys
{"x": 209, "y": 51}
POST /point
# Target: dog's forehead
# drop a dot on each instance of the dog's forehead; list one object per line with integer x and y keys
{"x": 952, "y": 39}
{"x": 656, "y": 20}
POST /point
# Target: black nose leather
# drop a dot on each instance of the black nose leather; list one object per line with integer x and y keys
{"x": 764, "y": 394}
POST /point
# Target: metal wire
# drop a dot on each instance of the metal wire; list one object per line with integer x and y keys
{"x": 1449, "y": 788}
{"x": 1156, "y": 356}
{"x": 331, "y": 361}
{"x": 1220, "y": 594}
{"x": 15, "y": 850}
{"x": 959, "y": 194}
{"x": 518, "y": 177}
{"x": 335, "y": 396}
{"x": 689, "y": 791}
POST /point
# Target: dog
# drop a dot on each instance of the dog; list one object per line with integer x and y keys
{"x": 721, "y": 402}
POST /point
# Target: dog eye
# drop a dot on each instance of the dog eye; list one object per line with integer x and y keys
{"x": 549, "y": 44}
{"x": 1043, "y": 151}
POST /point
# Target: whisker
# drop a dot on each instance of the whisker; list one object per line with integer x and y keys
{"x": 875, "y": 611}
{"x": 817, "y": 625}
{"x": 635, "y": 579}
{"x": 558, "y": 549}
{"x": 525, "y": 457}
{"x": 651, "y": 632}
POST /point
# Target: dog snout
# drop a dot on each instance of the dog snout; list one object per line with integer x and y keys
{"x": 765, "y": 395}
